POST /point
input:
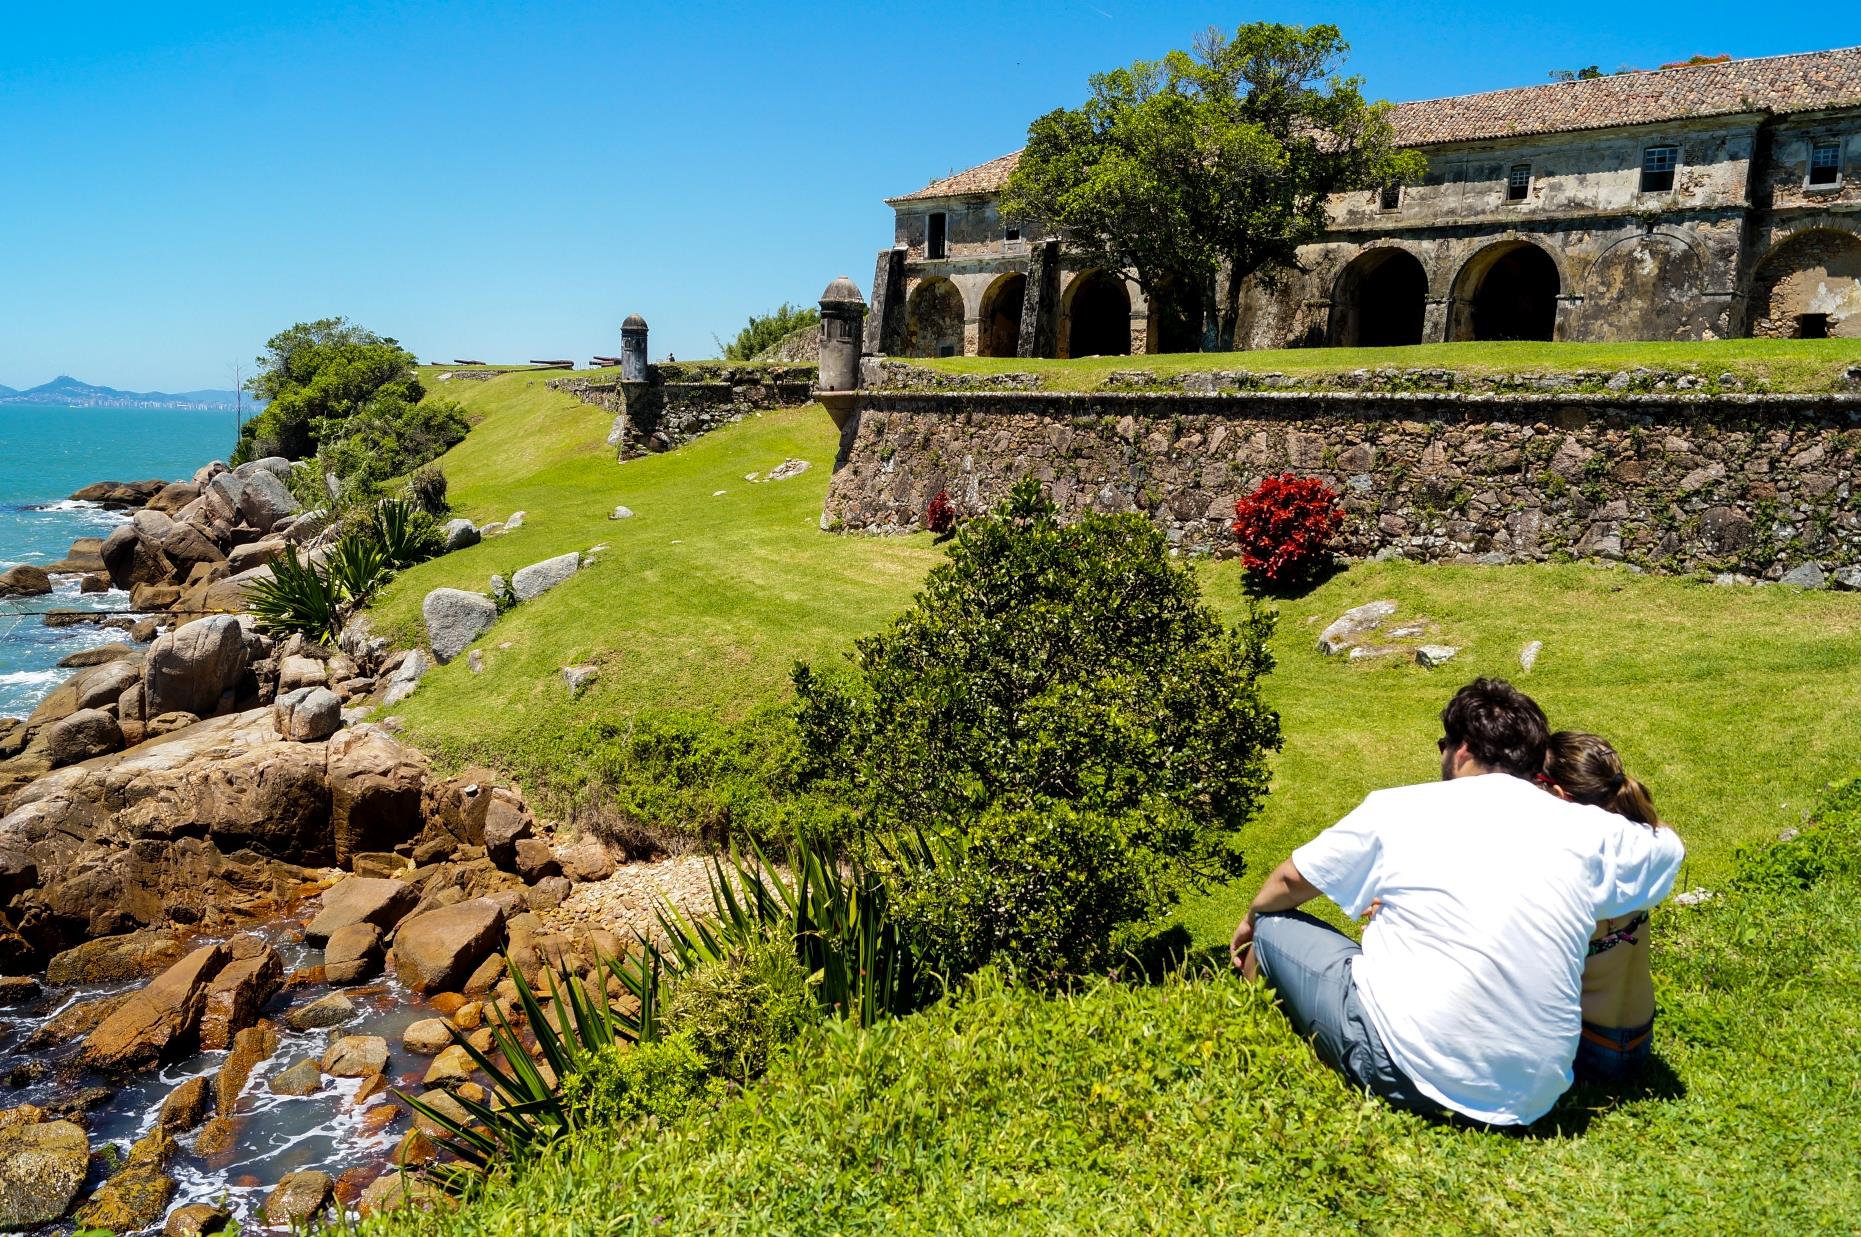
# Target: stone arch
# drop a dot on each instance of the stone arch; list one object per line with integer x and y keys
{"x": 1507, "y": 290}
{"x": 1381, "y": 300}
{"x": 1097, "y": 315}
{"x": 1001, "y": 316}
{"x": 1175, "y": 318}
{"x": 934, "y": 319}
{"x": 1644, "y": 287}
{"x": 1809, "y": 286}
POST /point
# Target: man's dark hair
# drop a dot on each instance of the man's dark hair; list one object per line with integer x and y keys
{"x": 1503, "y": 728}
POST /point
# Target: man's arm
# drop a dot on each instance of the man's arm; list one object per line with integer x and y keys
{"x": 1284, "y": 890}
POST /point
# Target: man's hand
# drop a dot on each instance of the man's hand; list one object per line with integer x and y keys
{"x": 1242, "y": 942}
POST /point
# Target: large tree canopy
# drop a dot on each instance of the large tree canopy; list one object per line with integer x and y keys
{"x": 1202, "y": 169}
{"x": 318, "y": 375}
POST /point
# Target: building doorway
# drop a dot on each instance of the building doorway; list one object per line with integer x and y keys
{"x": 1381, "y": 301}
{"x": 1098, "y": 316}
{"x": 1507, "y": 291}
{"x": 1001, "y": 316}
{"x": 934, "y": 319}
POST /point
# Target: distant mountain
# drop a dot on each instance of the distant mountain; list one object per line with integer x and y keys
{"x": 68, "y": 392}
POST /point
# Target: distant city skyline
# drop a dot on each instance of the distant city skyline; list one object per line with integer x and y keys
{"x": 509, "y": 181}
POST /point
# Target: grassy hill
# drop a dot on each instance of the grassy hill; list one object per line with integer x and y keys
{"x": 1189, "y": 1105}
{"x": 1731, "y": 702}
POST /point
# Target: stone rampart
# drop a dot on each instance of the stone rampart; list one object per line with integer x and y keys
{"x": 1749, "y": 483}
{"x": 680, "y": 401}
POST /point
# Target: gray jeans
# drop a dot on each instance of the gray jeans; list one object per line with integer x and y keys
{"x": 1307, "y": 962}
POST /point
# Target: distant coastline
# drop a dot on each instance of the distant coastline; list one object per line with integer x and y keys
{"x": 65, "y": 391}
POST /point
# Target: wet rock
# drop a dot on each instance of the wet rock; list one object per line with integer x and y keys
{"x": 17, "y": 988}
{"x": 186, "y": 1106}
{"x": 452, "y": 1065}
{"x": 42, "y": 1167}
{"x": 155, "y": 1021}
{"x": 440, "y": 1102}
{"x": 440, "y": 949}
{"x": 394, "y": 1190}
{"x": 375, "y": 785}
{"x": 531, "y": 582}
{"x": 353, "y": 954}
{"x": 375, "y": 900}
{"x": 191, "y": 667}
{"x": 198, "y": 1220}
{"x": 308, "y": 714}
{"x": 237, "y": 994}
{"x": 1353, "y": 625}
{"x": 111, "y": 959}
{"x": 24, "y": 580}
{"x": 299, "y": 1198}
{"x": 250, "y": 1048}
{"x": 74, "y": 1022}
{"x": 427, "y": 1037}
{"x": 304, "y": 1078}
{"x": 356, "y": 1056}
{"x": 328, "y": 1011}
{"x": 136, "y": 1196}
{"x": 454, "y": 619}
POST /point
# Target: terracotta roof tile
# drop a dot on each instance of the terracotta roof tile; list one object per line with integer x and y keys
{"x": 987, "y": 178}
{"x": 1778, "y": 84}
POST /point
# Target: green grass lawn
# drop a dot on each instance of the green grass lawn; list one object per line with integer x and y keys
{"x": 1804, "y": 365}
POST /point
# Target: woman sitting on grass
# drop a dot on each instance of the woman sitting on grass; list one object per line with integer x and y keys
{"x": 1618, "y": 985}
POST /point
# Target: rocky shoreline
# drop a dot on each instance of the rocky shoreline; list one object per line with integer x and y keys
{"x": 207, "y": 855}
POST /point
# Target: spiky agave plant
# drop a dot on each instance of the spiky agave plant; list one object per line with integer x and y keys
{"x": 299, "y": 597}
{"x": 405, "y": 533}
{"x": 358, "y": 566}
{"x": 835, "y": 915}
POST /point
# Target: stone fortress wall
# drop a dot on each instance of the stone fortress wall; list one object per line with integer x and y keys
{"x": 1754, "y": 484}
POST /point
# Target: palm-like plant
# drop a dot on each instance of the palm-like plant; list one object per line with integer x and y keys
{"x": 298, "y": 598}
{"x": 358, "y": 566}
{"x": 405, "y": 533}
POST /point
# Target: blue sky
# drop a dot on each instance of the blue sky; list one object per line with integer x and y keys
{"x": 510, "y": 180}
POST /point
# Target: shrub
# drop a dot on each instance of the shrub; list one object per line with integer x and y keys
{"x": 620, "y": 1085}
{"x": 406, "y": 534}
{"x": 1042, "y": 888}
{"x": 357, "y": 566}
{"x": 1285, "y": 527}
{"x": 741, "y": 1009}
{"x": 388, "y": 438}
{"x": 427, "y": 489}
{"x": 765, "y": 331}
{"x": 1054, "y": 663}
{"x": 940, "y": 515}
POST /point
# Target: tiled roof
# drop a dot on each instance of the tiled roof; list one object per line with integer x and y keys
{"x": 988, "y": 178}
{"x": 1807, "y": 82}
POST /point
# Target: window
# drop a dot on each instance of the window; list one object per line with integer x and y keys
{"x": 1391, "y": 197}
{"x": 1518, "y": 182}
{"x": 937, "y": 246}
{"x": 1825, "y": 163}
{"x": 1013, "y": 234}
{"x": 1657, "y": 168}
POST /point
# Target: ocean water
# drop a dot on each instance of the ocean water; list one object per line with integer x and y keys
{"x": 46, "y": 454}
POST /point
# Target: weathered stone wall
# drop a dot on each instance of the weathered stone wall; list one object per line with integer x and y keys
{"x": 683, "y": 400}
{"x": 1757, "y": 484}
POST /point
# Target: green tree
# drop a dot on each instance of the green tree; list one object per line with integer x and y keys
{"x": 765, "y": 331}
{"x": 1203, "y": 169}
{"x": 317, "y": 375}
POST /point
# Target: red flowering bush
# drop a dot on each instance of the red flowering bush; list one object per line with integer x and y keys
{"x": 1285, "y": 527}
{"x": 940, "y": 516}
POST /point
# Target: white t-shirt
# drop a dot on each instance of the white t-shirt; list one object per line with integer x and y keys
{"x": 1472, "y": 969}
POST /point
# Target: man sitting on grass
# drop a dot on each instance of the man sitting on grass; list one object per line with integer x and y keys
{"x": 1485, "y": 889}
